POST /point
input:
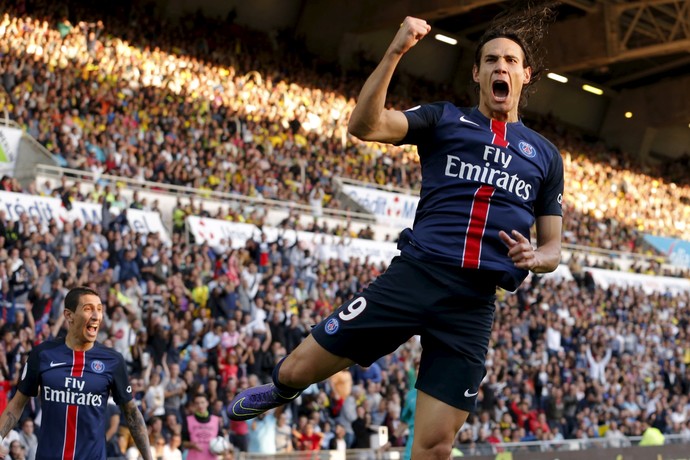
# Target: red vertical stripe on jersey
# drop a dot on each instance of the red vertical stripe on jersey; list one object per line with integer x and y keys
{"x": 70, "y": 432}
{"x": 476, "y": 226}
{"x": 77, "y": 363}
{"x": 72, "y": 415}
{"x": 499, "y": 129}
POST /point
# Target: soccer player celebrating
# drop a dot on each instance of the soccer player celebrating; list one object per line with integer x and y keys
{"x": 75, "y": 376}
{"x": 487, "y": 179}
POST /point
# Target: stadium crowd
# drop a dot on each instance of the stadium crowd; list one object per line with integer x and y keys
{"x": 568, "y": 358}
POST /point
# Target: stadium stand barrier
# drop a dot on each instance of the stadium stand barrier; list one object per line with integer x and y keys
{"x": 568, "y": 449}
{"x": 276, "y": 211}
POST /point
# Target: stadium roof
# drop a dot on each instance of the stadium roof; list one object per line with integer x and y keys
{"x": 619, "y": 44}
{"x": 637, "y": 51}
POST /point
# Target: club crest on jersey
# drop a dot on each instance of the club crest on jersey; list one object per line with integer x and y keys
{"x": 332, "y": 326}
{"x": 527, "y": 149}
{"x": 97, "y": 366}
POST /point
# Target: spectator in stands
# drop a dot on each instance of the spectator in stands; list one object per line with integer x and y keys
{"x": 17, "y": 450}
{"x": 283, "y": 434}
{"x": 262, "y": 433}
{"x": 308, "y": 439}
{"x": 28, "y": 438}
{"x": 156, "y": 379}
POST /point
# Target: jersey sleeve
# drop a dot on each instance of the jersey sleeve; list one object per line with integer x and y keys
{"x": 30, "y": 378}
{"x": 420, "y": 120}
{"x": 120, "y": 386}
{"x": 551, "y": 193}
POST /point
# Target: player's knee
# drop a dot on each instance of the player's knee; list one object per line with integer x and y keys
{"x": 435, "y": 450}
{"x": 295, "y": 372}
{"x": 432, "y": 444}
{"x": 286, "y": 375}
{"x": 309, "y": 363}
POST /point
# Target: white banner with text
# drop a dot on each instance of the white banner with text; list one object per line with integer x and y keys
{"x": 49, "y": 208}
{"x": 649, "y": 283}
{"x": 9, "y": 149}
{"x": 393, "y": 209}
{"x": 216, "y": 232}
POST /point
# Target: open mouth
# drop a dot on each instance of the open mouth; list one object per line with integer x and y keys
{"x": 92, "y": 328}
{"x": 500, "y": 90}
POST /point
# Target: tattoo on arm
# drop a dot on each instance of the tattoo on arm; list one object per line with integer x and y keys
{"x": 10, "y": 422}
{"x": 137, "y": 428}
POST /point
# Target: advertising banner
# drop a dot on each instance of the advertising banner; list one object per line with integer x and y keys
{"x": 677, "y": 251}
{"x": 648, "y": 283}
{"x": 48, "y": 208}
{"x": 216, "y": 232}
{"x": 9, "y": 149}
{"x": 571, "y": 450}
{"x": 393, "y": 209}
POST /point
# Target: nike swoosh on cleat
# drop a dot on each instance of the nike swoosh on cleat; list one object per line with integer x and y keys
{"x": 239, "y": 403}
{"x": 469, "y": 395}
{"x": 465, "y": 120}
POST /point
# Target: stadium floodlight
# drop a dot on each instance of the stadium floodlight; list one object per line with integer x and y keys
{"x": 593, "y": 89}
{"x": 557, "y": 77}
{"x": 446, "y": 39}
{"x": 628, "y": 114}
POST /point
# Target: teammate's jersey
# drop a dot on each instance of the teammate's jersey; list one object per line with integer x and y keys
{"x": 74, "y": 388}
{"x": 480, "y": 176}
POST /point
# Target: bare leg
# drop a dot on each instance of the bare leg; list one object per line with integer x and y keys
{"x": 435, "y": 426}
{"x": 310, "y": 363}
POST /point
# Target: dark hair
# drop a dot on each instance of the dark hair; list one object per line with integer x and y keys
{"x": 74, "y": 295}
{"x": 525, "y": 23}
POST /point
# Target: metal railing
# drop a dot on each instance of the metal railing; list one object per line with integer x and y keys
{"x": 349, "y": 454}
{"x": 478, "y": 450}
{"x": 83, "y": 176}
{"x": 383, "y": 188}
{"x": 56, "y": 172}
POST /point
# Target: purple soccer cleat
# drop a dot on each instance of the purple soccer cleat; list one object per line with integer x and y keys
{"x": 253, "y": 402}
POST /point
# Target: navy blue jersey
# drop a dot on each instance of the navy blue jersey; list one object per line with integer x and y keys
{"x": 480, "y": 176}
{"x": 74, "y": 388}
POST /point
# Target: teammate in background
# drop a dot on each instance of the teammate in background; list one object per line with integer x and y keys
{"x": 487, "y": 179}
{"x": 75, "y": 375}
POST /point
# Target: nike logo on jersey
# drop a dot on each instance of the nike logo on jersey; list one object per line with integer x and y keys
{"x": 469, "y": 395}
{"x": 465, "y": 120}
{"x": 52, "y": 364}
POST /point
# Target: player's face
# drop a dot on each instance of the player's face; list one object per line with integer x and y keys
{"x": 501, "y": 76}
{"x": 86, "y": 319}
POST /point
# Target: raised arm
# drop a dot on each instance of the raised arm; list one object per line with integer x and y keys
{"x": 269, "y": 338}
{"x": 370, "y": 120}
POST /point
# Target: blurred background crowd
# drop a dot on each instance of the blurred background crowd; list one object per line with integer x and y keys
{"x": 210, "y": 105}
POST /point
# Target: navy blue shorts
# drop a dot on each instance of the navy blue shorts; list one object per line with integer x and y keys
{"x": 451, "y": 308}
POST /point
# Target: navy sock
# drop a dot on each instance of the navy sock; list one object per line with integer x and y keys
{"x": 284, "y": 390}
